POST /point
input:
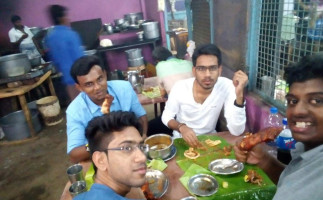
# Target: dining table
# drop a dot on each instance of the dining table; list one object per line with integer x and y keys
{"x": 176, "y": 189}
{"x": 151, "y": 82}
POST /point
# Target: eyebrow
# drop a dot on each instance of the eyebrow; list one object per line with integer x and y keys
{"x": 130, "y": 142}
{"x": 309, "y": 94}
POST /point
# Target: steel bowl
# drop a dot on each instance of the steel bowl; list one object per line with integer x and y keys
{"x": 203, "y": 185}
{"x": 137, "y": 62}
{"x": 159, "y": 146}
{"x": 158, "y": 182}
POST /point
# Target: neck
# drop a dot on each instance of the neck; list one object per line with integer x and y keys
{"x": 200, "y": 93}
{"x": 117, "y": 187}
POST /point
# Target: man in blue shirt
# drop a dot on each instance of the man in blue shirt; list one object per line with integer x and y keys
{"x": 91, "y": 80}
{"x": 64, "y": 47}
{"x": 118, "y": 155}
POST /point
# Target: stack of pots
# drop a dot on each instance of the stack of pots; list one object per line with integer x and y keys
{"x": 135, "y": 58}
{"x": 151, "y": 30}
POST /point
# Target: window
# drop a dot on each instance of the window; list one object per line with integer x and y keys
{"x": 282, "y": 32}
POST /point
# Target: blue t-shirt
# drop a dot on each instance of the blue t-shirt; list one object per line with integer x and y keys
{"x": 99, "y": 191}
{"x": 82, "y": 110}
{"x": 64, "y": 47}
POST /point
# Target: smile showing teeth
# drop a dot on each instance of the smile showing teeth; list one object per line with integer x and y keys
{"x": 303, "y": 124}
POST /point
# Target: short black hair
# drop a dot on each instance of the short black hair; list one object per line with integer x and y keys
{"x": 309, "y": 67}
{"x": 99, "y": 130}
{"x": 161, "y": 54}
{"x": 56, "y": 12}
{"x": 83, "y": 65}
{"x": 207, "y": 49}
{"x": 15, "y": 18}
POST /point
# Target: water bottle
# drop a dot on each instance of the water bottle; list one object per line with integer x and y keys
{"x": 285, "y": 142}
{"x": 273, "y": 120}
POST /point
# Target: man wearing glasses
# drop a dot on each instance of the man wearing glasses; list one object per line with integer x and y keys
{"x": 194, "y": 104}
{"x": 118, "y": 154}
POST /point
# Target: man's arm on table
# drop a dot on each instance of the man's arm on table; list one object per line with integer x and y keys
{"x": 144, "y": 122}
{"x": 76, "y": 140}
{"x": 79, "y": 154}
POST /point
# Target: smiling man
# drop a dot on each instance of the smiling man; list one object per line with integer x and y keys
{"x": 118, "y": 155}
{"x": 302, "y": 177}
{"x": 91, "y": 80}
{"x": 194, "y": 104}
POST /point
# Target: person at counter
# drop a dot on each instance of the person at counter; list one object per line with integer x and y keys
{"x": 91, "y": 81}
{"x": 64, "y": 46}
{"x": 118, "y": 155}
{"x": 22, "y": 38}
{"x": 169, "y": 70}
{"x": 301, "y": 177}
{"x": 194, "y": 105}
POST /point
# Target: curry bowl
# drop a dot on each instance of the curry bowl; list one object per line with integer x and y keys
{"x": 159, "y": 146}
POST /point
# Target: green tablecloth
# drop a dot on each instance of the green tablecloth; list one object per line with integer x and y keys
{"x": 238, "y": 188}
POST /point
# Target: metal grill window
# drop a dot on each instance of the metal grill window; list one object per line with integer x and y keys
{"x": 201, "y": 21}
{"x": 288, "y": 30}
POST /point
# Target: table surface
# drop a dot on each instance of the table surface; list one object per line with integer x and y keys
{"x": 175, "y": 190}
{"x": 150, "y": 82}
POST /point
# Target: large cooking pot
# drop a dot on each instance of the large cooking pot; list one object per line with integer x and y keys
{"x": 133, "y": 53}
{"x": 14, "y": 65}
{"x": 151, "y": 30}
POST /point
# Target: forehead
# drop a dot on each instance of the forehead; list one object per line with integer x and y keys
{"x": 93, "y": 74}
{"x": 206, "y": 60}
{"x": 306, "y": 87}
{"x": 129, "y": 134}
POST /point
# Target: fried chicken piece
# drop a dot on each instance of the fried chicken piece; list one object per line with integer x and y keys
{"x": 105, "y": 109}
{"x": 265, "y": 135}
{"x": 253, "y": 177}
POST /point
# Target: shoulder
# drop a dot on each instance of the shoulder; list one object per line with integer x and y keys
{"x": 11, "y": 31}
{"x": 119, "y": 84}
{"x": 77, "y": 103}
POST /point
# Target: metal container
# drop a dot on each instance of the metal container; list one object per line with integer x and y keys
{"x": 151, "y": 30}
{"x": 15, "y": 126}
{"x": 108, "y": 28}
{"x": 133, "y": 53}
{"x": 36, "y": 61}
{"x": 133, "y": 18}
{"x": 14, "y": 65}
{"x": 159, "y": 145}
{"x": 133, "y": 78}
{"x": 136, "y": 62}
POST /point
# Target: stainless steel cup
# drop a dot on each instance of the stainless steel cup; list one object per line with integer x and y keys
{"x": 77, "y": 188}
{"x": 75, "y": 173}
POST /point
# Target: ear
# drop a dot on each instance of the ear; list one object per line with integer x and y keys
{"x": 194, "y": 71}
{"x": 100, "y": 160}
{"x": 220, "y": 70}
{"x": 78, "y": 87}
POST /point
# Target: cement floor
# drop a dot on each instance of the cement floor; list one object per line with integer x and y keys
{"x": 36, "y": 170}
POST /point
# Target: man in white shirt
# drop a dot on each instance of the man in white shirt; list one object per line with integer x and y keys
{"x": 194, "y": 104}
{"x": 21, "y": 38}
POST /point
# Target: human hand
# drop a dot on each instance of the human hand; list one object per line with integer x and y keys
{"x": 189, "y": 136}
{"x": 240, "y": 80}
{"x": 254, "y": 156}
{"x": 24, "y": 36}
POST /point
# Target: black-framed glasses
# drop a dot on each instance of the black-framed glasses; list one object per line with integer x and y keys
{"x": 211, "y": 68}
{"x": 129, "y": 148}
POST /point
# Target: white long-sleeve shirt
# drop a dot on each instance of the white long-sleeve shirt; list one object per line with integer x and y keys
{"x": 202, "y": 118}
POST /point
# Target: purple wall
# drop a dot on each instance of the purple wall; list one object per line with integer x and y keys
{"x": 34, "y": 12}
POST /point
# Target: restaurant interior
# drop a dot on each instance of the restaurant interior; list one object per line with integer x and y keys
{"x": 261, "y": 38}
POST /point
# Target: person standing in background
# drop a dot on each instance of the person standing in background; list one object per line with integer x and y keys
{"x": 64, "y": 47}
{"x": 22, "y": 38}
